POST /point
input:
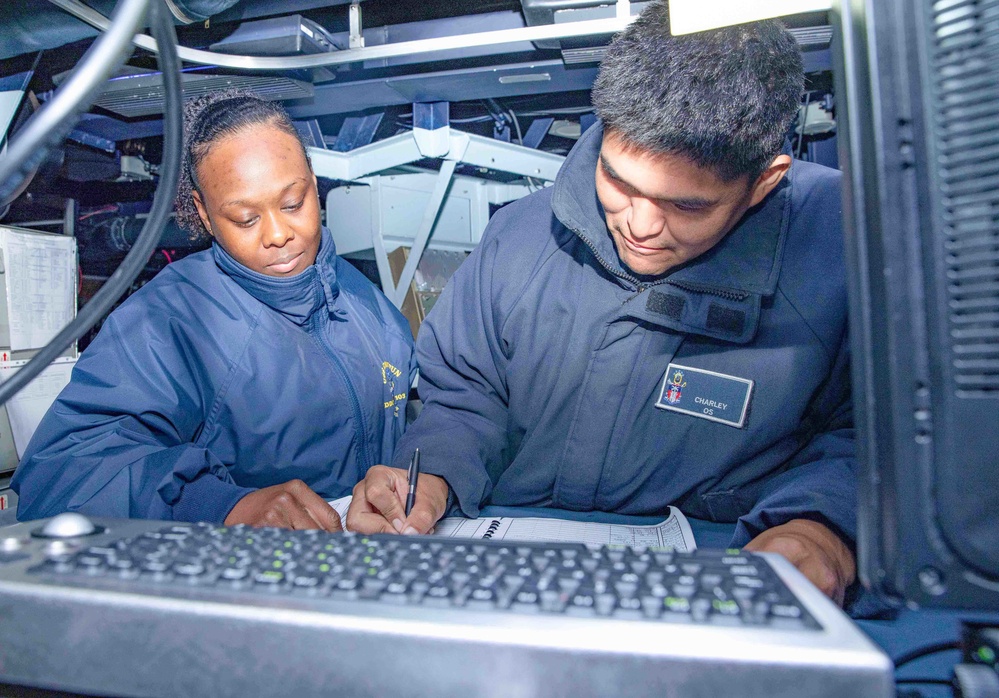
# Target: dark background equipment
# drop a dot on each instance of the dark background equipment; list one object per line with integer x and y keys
{"x": 920, "y": 150}
{"x": 921, "y": 85}
{"x": 54, "y": 121}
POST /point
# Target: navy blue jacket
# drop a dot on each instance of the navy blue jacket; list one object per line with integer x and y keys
{"x": 542, "y": 362}
{"x": 213, "y": 380}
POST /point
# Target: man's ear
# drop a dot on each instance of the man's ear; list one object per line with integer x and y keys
{"x": 202, "y": 212}
{"x": 770, "y": 178}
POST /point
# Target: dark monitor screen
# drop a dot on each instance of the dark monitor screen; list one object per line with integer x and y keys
{"x": 918, "y": 85}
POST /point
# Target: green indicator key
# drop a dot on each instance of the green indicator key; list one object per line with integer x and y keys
{"x": 986, "y": 654}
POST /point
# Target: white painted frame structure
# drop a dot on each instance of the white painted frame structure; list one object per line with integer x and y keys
{"x": 453, "y": 147}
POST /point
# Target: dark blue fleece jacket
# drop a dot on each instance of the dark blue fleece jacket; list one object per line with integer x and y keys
{"x": 213, "y": 380}
{"x": 542, "y": 364}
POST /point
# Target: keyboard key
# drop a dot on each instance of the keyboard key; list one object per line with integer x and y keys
{"x": 699, "y": 609}
{"x": 629, "y": 609}
{"x": 189, "y": 569}
{"x": 684, "y": 590}
{"x": 605, "y": 604}
{"x": 234, "y": 573}
{"x": 527, "y": 597}
{"x": 677, "y": 604}
{"x": 626, "y": 589}
{"x": 785, "y": 611}
{"x": 438, "y": 596}
{"x": 615, "y": 553}
{"x": 553, "y": 601}
{"x": 710, "y": 581}
{"x": 482, "y": 599}
{"x": 725, "y": 608}
{"x": 749, "y": 582}
{"x": 663, "y": 557}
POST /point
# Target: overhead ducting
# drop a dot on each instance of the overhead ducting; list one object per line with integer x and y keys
{"x": 141, "y": 94}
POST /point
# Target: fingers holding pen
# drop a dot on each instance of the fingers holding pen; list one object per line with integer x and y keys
{"x": 379, "y": 502}
{"x": 429, "y": 506}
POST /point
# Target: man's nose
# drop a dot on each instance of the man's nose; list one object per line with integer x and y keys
{"x": 646, "y": 220}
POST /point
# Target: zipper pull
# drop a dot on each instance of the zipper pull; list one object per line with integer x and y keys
{"x": 639, "y": 291}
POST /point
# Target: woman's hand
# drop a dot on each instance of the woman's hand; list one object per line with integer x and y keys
{"x": 288, "y": 505}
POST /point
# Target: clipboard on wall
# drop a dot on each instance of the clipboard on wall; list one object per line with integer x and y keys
{"x": 38, "y": 296}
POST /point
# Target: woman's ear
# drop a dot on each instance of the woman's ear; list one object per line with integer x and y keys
{"x": 202, "y": 212}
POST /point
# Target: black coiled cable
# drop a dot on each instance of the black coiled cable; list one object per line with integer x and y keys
{"x": 163, "y": 31}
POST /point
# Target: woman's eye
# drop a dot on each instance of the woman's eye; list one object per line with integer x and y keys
{"x": 247, "y": 223}
{"x": 294, "y": 207}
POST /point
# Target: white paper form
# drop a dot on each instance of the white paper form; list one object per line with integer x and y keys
{"x": 673, "y": 532}
{"x": 30, "y": 404}
{"x": 40, "y": 274}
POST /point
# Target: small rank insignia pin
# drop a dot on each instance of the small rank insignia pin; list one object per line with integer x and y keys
{"x": 676, "y": 384}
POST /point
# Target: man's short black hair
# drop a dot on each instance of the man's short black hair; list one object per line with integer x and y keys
{"x": 724, "y": 98}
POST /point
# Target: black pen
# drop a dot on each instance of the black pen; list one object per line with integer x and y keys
{"x": 414, "y": 476}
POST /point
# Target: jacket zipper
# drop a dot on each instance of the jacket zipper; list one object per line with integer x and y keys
{"x": 351, "y": 393}
{"x": 641, "y": 288}
{"x": 728, "y": 295}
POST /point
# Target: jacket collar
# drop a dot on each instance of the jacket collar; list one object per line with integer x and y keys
{"x": 747, "y": 260}
{"x": 296, "y": 297}
{"x": 728, "y": 282}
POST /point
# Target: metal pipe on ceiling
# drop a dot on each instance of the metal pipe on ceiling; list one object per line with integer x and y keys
{"x": 593, "y": 27}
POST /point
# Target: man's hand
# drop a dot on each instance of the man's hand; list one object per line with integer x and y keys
{"x": 816, "y": 551}
{"x": 379, "y": 503}
{"x": 288, "y": 505}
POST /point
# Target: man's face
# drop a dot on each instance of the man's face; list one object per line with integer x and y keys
{"x": 258, "y": 199}
{"x": 662, "y": 210}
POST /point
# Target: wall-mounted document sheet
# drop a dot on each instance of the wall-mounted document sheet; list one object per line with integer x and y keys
{"x": 40, "y": 274}
{"x": 28, "y": 406}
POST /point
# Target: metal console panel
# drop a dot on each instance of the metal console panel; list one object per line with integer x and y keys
{"x": 128, "y": 638}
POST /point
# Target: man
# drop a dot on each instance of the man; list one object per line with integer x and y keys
{"x": 666, "y": 325}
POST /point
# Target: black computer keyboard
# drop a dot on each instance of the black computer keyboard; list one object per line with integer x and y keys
{"x": 717, "y": 587}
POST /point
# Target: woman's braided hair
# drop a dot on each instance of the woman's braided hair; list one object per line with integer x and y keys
{"x": 207, "y": 120}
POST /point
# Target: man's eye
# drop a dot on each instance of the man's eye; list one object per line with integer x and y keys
{"x": 688, "y": 209}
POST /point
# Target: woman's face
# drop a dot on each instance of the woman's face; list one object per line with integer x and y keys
{"x": 257, "y": 197}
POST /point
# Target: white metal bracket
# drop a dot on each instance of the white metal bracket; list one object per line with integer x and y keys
{"x": 454, "y": 147}
{"x": 356, "y": 39}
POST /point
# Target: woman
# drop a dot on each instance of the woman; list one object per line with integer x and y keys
{"x": 244, "y": 384}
